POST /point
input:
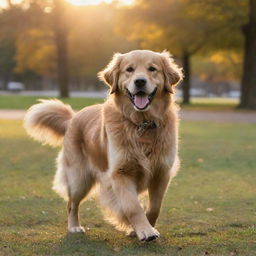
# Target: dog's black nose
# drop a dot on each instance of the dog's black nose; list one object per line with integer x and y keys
{"x": 140, "y": 82}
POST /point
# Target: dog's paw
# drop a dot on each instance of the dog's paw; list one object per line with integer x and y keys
{"x": 78, "y": 229}
{"x": 148, "y": 235}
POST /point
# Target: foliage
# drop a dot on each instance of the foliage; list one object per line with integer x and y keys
{"x": 206, "y": 29}
{"x": 221, "y": 65}
{"x": 15, "y": 21}
{"x": 91, "y": 40}
{"x": 90, "y": 43}
{"x": 36, "y": 52}
{"x": 185, "y": 25}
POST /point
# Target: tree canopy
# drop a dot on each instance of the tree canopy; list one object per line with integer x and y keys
{"x": 77, "y": 41}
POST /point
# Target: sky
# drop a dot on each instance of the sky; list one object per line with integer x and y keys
{"x": 75, "y": 2}
{"x": 3, "y": 2}
{"x": 91, "y": 2}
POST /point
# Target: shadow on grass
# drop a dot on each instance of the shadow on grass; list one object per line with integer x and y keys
{"x": 80, "y": 244}
{"x": 77, "y": 244}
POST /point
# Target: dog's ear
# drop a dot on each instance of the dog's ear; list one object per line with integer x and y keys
{"x": 172, "y": 73}
{"x": 110, "y": 74}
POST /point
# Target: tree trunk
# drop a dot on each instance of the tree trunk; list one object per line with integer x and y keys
{"x": 186, "y": 80}
{"x": 248, "y": 84}
{"x": 61, "y": 40}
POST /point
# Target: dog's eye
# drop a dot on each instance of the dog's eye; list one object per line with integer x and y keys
{"x": 151, "y": 69}
{"x": 130, "y": 69}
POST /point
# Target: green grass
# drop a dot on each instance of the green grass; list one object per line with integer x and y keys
{"x": 24, "y": 102}
{"x": 212, "y": 104}
{"x": 217, "y": 172}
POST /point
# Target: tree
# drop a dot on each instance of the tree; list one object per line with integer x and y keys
{"x": 45, "y": 32}
{"x": 92, "y": 40}
{"x": 186, "y": 27}
{"x": 88, "y": 42}
{"x": 61, "y": 42}
{"x": 42, "y": 41}
{"x": 248, "y": 89}
{"x": 7, "y": 62}
{"x": 174, "y": 25}
{"x": 240, "y": 14}
{"x": 8, "y": 34}
{"x": 218, "y": 66}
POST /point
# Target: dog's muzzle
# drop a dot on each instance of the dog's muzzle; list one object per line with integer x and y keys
{"x": 141, "y": 100}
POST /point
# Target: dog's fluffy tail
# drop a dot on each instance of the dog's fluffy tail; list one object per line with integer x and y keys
{"x": 48, "y": 121}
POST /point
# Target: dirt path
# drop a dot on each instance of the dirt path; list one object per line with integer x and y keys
{"x": 12, "y": 114}
{"x": 219, "y": 116}
{"x": 190, "y": 115}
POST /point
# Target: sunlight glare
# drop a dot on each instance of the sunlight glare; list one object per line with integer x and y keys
{"x": 95, "y": 2}
{"x": 3, "y": 3}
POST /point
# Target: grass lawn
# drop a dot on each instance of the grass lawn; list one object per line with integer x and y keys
{"x": 24, "y": 102}
{"x": 210, "y": 207}
{"x": 213, "y": 104}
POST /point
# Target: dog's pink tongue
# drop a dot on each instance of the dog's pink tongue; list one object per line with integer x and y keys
{"x": 140, "y": 101}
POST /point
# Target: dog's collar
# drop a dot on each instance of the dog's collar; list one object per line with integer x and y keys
{"x": 145, "y": 125}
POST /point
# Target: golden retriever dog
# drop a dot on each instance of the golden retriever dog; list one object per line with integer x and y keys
{"x": 127, "y": 145}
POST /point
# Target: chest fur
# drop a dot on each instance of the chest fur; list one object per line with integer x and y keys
{"x": 149, "y": 149}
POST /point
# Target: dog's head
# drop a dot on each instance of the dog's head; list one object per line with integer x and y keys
{"x": 140, "y": 75}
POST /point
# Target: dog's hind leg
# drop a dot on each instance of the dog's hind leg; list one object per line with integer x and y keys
{"x": 78, "y": 190}
{"x": 73, "y": 181}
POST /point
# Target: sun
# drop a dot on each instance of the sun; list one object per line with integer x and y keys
{"x": 4, "y": 3}
{"x": 95, "y": 2}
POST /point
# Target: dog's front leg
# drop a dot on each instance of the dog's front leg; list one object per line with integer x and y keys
{"x": 156, "y": 190}
{"x": 125, "y": 191}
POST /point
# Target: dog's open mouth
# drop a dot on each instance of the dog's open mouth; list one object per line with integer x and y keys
{"x": 141, "y": 100}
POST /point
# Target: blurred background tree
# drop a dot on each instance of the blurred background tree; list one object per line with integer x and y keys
{"x": 49, "y": 42}
{"x": 186, "y": 28}
{"x": 248, "y": 86}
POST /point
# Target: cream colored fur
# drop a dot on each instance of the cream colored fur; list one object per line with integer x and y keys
{"x": 47, "y": 121}
{"x": 102, "y": 145}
